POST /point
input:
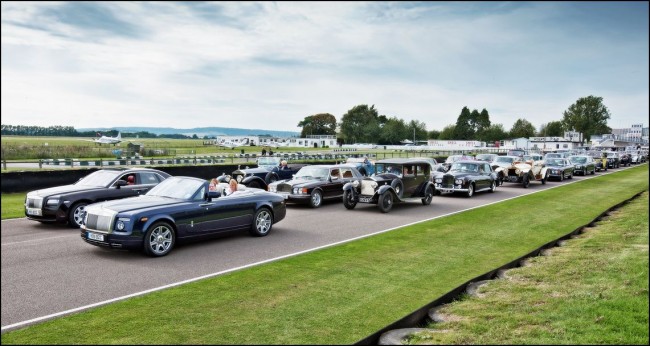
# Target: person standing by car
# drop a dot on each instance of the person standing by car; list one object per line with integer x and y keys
{"x": 263, "y": 151}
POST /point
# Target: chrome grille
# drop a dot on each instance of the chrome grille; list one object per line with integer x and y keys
{"x": 284, "y": 188}
{"x": 448, "y": 180}
{"x": 98, "y": 219}
{"x": 34, "y": 202}
{"x": 367, "y": 189}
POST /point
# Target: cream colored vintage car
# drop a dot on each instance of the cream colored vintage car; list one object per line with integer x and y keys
{"x": 514, "y": 169}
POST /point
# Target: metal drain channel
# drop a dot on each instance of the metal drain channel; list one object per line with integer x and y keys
{"x": 414, "y": 321}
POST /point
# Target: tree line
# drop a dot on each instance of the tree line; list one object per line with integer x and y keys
{"x": 69, "y": 131}
{"x": 364, "y": 124}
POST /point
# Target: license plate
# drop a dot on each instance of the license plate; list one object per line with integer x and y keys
{"x": 34, "y": 211}
{"x": 95, "y": 236}
{"x": 365, "y": 199}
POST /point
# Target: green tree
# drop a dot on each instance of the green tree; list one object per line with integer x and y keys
{"x": 360, "y": 124}
{"x": 417, "y": 130}
{"x": 551, "y": 129}
{"x": 393, "y": 131}
{"x": 448, "y": 132}
{"x": 433, "y": 134}
{"x": 318, "y": 124}
{"x": 464, "y": 125}
{"x": 588, "y": 115}
{"x": 493, "y": 133}
{"x": 522, "y": 128}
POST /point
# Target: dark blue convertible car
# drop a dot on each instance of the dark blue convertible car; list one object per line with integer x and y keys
{"x": 179, "y": 208}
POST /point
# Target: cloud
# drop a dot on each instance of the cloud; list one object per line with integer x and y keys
{"x": 193, "y": 64}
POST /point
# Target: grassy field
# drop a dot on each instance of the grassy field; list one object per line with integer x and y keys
{"x": 13, "y": 205}
{"x": 594, "y": 290}
{"x": 342, "y": 294}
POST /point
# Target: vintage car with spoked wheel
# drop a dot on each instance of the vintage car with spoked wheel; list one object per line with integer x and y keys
{"x": 394, "y": 181}
{"x": 467, "y": 177}
{"x": 66, "y": 203}
{"x": 514, "y": 170}
{"x": 314, "y": 184}
{"x": 179, "y": 208}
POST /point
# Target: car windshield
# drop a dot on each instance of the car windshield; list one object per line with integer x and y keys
{"x": 312, "y": 173}
{"x": 268, "y": 161}
{"x": 555, "y": 162}
{"x": 485, "y": 157}
{"x": 464, "y": 167}
{"x": 99, "y": 178}
{"x": 453, "y": 158}
{"x": 504, "y": 159}
{"x": 579, "y": 159}
{"x": 175, "y": 187}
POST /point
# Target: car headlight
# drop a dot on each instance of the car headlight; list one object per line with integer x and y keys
{"x": 240, "y": 178}
{"x": 459, "y": 181}
{"x": 121, "y": 223}
{"x": 52, "y": 202}
{"x": 273, "y": 188}
{"x": 438, "y": 180}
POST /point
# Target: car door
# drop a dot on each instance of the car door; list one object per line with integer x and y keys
{"x": 332, "y": 186}
{"x": 229, "y": 212}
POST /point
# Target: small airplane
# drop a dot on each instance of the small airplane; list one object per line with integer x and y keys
{"x": 107, "y": 139}
{"x": 231, "y": 144}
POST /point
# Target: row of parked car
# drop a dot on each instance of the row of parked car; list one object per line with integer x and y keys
{"x": 149, "y": 210}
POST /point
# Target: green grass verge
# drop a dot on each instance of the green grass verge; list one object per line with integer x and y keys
{"x": 342, "y": 294}
{"x": 13, "y": 205}
{"x": 594, "y": 290}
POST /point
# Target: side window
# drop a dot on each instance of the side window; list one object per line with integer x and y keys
{"x": 334, "y": 173}
{"x": 198, "y": 196}
{"x": 148, "y": 178}
{"x": 347, "y": 173}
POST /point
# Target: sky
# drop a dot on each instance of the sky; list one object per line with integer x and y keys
{"x": 268, "y": 65}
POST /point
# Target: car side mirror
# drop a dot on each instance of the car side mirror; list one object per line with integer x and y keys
{"x": 120, "y": 183}
{"x": 213, "y": 194}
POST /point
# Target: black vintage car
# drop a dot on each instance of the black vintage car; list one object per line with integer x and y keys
{"x": 179, "y": 208}
{"x": 467, "y": 177}
{"x": 268, "y": 170}
{"x": 67, "y": 203}
{"x": 313, "y": 184}
{"x": 395, "y": 180}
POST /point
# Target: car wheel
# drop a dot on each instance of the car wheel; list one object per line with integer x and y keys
{"x": 385, "y": 202}
{"x": 526, "y": 181}
{"x": 76, "y": 216}
{"x": 254, "y": 184}
{"x": 271, "y": 177}
{"x": 493, "y": 186}
{"x": 159, "y": 239}
{"x": 470, "y": 190}
{"x": 398, "y": 187}
{"x": 348, "y": 200}
{"x": 262, "y": 223}
{"x": 428, "y": 195}
{"x": 316, "y": 199}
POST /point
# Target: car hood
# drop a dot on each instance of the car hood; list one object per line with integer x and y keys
{"x": 301, "y": 182}
{"x": 135, "y": 203}
{"x": 65, "y": 189}
{"x": 381, "y": 177}
{"x": 458, "y": 174}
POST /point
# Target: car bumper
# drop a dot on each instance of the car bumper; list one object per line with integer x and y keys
{"x": 295, "y": 198}
{"x": 368, "y": 199}
{"x": 450, "y": 189}
{"x": 114, "y": 241}
{"x": 46, "y": 215}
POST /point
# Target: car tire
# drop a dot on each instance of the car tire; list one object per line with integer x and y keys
{"x": 398, "y": 186}
{"x": 159, "y": 239}
{"x": 76, "y": 214}
{"x": 526, "y": 181}
{"x": 428, "y": 195}
{"x": 493, "y": 186}
{"x": 262, "y": 223}
{"x": 270, "y": 177}
{"x": 316, "y": 199}
{"x": 385, "y": 202}
{"x": 348, "y": 200}
{"x": 254, "y": 184}
{"x": 470, "y": 190}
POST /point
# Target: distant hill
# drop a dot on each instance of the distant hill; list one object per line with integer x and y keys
{"x": 199, "y": 131}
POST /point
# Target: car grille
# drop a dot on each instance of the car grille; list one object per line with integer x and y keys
{"x": 238, "y": 177}
{"x": 34, "y": 202}
{"x": 512, "y": 172}
{"x": 100, "y": 220}
{"x": 448, "y": 180}
{"x": 284, "y": 188}
{"x": 367, "y": 189}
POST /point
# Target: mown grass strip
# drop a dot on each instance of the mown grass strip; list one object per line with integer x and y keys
{"x": 342, "y": 294}
{"x": 13, "y": 205}
{"x": 594, "y": 290}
